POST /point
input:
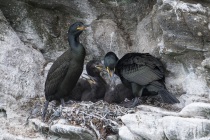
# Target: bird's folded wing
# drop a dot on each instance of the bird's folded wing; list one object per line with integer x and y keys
{"x": 140, "y": 68}
{"x": 142, "y": 76}
{"x": 56, "y": 75}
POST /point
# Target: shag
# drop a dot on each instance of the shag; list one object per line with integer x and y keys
{"x": 97, "y": 83}
{"x": 66, "y": 70}
{"x": 91, "y": 88}
{"x": 118, "y": 94}
{"x": 142, "y": 73}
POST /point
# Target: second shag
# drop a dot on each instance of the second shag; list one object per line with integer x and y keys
{"x": 97, "y": 83}
{"x": 141, "y": 72}
{"x": 66, "y": 70}
{"x": 92, "y": 87}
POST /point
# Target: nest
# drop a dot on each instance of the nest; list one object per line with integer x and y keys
{"x": 100, "y": 117}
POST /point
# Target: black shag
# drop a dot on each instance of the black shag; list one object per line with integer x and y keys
{"x": 66, "y": 70}
{"x": 97, "y": 83}
{"x": 141, "y": 72}
{"x": 118, "y": 94}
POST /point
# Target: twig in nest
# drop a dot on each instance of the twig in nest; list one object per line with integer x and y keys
{"x": 103, "y": 119}
{"x": 91, "y": 115}
{"x": 119, "y": 108}
{"x": 95, "y": 129}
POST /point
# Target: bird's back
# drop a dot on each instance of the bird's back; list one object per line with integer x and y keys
{"x": 118, "y": 94}
{"x": 140, "y": 68}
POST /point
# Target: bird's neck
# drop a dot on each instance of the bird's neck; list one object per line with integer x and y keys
{"x": 76, "y": 47}
{"x": 73, "y": 41}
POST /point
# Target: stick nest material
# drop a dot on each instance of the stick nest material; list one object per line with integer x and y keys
{"x": 100, "y": 117}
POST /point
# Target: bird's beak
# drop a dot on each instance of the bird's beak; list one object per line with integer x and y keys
{"x": 110, "y": 72}
{"x": 99, "y": 67}
{"x": 111, "y": 76}
{"x": 91, "y": 81}
{"x": 81, "y": 28}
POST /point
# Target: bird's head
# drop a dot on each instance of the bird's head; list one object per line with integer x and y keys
{"x": 110, "y": 61}
{"x": 94, "y": 68}
{"x": 77, "y": 28}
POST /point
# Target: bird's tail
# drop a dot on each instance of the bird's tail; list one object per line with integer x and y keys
{"x": 167, "y": 97}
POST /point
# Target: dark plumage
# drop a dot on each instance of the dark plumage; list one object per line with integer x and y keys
{"x": 118, "y": 94}
{"x": 92, "y": 88}
{"x": 97, "y": 83}
{"x": 81, "y": 87}
{"x": 140, "y": 72}
{"x": 66, "y": 70}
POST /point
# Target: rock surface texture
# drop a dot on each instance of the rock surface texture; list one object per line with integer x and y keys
{"x": 33, "y": 33}
{"x": 153, "y": 123}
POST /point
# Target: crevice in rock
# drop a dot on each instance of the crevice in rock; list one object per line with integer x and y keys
{"x": 52, "y": 6}
{"x": 119, "y": 16}
{"x": 3, "y": 113}
{"x": 120, "y": 26}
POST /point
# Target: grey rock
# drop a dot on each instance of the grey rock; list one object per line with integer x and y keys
{"x": 185, "y": 128}
{"x": 21, "y": 80}
{"x": 196, "y": 110}
{"x": 143, "y": 125}
{"x": 62, "y": 129}
{"x": 112, "y": 137}
{"x": 182, "y": 47}
{"x": 8, "y": 136}
{"x": 160, "y": 111}
{"x": 72, "y": 132}
{"x": 206, "y": 63}
{"x": 19, "y": 65}
{"x": 156, "y": 123}
{"x": 38, "y": 125}
{"x": 107, "y": 36}
{"x": 126, "y": 134}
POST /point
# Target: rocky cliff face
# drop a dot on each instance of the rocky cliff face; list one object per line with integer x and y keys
{"x": 33, "y": 33}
